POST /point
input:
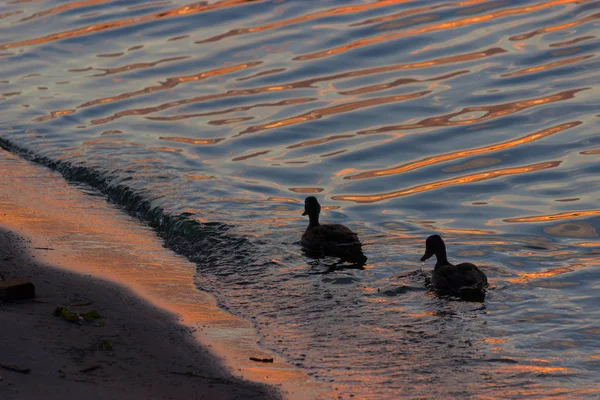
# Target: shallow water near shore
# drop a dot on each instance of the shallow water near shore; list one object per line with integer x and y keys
{"x": 211, "y": 121}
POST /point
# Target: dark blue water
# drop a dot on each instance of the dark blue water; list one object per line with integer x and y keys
{"x": 477, "y": 120}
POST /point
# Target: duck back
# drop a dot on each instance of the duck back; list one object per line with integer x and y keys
{"x": 333, "y": 240}
{"x": 464, "y": 280}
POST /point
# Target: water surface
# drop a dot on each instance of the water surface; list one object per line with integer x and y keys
{"x": 474, "y": 119}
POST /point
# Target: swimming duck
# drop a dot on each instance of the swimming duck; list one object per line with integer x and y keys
{"x": 464, "y": 280}
{"x": 329, "y": 239}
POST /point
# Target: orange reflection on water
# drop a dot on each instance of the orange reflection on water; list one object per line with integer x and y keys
{"x": 573, "y": 41}
{"x": 168, "y": 149}
{"x": 306, "y": 190}
{"x": 282, "y": 199}
{"x": 170, "y": 83}
{"x": 338, "y": 109}
{"x": 62, "y": 8}
{"x": 494, "y": 340}
{"x": 138, "y": 65}
{"x": 587, "y": 244}
{"x": 555, "y": 28}
{"x": 294, "y": 85}
{"x": 555, "y": 217}
{"x": 246, "y": 157}
{"x": 465, "y": 153}
{"x": 466, "y": 231}
{"x": 291, "y": 21}
{"x": 545, "y": 274}
{"x": 53, "y": 114}
{"x": 314, "y": 142}
{"x": 547, "y": 66}
{"x": 488, "y": 112}
{"x": 435, "y": 27}
{"x": 590, "y": 152}
{"x": 535, "y": 369}
{"x": 199, "y": 177}
{"x": 399, "y": 82}
{"x": 235, "y": 109}
{"x": 461, "y": 180}
{"x": 413, "y": 11}
{"x": 192, "y": 140}
{"x": 109, "y": 25}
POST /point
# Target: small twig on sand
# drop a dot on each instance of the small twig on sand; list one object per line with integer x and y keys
{"x": 83, "y": 303}
{"x": 43, "y": 248}
{"x": 193, "y": 375}
{"x": 263, "y": 360}
{"x": 16, "y": 368}
{"x": 90, "y": 369}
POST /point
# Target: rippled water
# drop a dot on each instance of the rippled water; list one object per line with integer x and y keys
{"x": 474, "y": 119}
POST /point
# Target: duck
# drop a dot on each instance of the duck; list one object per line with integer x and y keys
{"x": 463, "y": 280}
{"x": 329, "y": 239}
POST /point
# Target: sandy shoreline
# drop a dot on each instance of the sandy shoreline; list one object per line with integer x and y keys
{"x": 136, "y": 351}
{"x": 98, "y": 253}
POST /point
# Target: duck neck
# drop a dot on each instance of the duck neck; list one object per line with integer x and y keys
{"x": 313, "y": 220}
{"x": 442, "y": 258}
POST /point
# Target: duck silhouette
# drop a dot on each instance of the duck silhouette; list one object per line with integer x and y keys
{"x": 333, "y": 240}
{"x": 464, "y": 280}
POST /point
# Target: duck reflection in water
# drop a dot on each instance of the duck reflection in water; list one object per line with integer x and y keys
{"x": 332, "y": 240}
{"x": 464, "y": 280}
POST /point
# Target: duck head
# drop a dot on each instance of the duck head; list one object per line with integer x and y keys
{"x": 433, "y": 245}
{"x": 312, "y": 208}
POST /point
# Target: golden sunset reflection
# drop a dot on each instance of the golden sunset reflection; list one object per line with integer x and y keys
{"x": 448, "y": 182}
{"x": 167, "y": 149}
{"x": 175, "y": 12}
{"x": 234, "y": 109}
{"x": 554, "y": 217}
{"x": 418, "y": 10}
{"x": 291, "y": 21}
{"x": 547, "y": 66}
{"x": 282, "y": 199}
{"x": 249, "y": 156}
{"x": 573, "y": 41}
{"x": 526, "y": 277}
{"x": 489, "y": 112}
{"x": 199, "y": 177}
{"x": 494, "y": 340}
{"x": 434, "y": 27}
{"x": 192, "y": 140}
{"x": 555, "y": 28}
{"x": 338, "y": 109}
{"x": 65, "y": 7}
{"x": 399, "y": 82}
{"x": 134, "y": 66}
{"x": 293, "y": 85}
{"x": 306, "y": 190}
{"x": 171, "y": 83}
{"x": 590, "y": 152}
{"x": 465, "y": 153}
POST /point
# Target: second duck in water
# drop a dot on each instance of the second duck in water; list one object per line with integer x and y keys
{"x": 463, "y": 280}
{"x": 329, "y": 239}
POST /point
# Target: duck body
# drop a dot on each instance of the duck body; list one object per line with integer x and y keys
{"x": 329, "y": 239}
{"x": 463, "y": 280}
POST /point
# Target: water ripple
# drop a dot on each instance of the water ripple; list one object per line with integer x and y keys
{"x": 476, "y": 119}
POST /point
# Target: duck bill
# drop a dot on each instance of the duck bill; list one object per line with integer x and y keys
{"x": 305, "y": 212}
{"x": 426, "y": 256}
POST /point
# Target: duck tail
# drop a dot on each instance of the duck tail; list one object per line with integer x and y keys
{"x": 354, "y": 256}
{"x": 471, "y": 293}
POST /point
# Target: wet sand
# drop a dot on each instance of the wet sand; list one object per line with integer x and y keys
{"x": 135, "y": 351}
{"x": 71, "y": 228}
